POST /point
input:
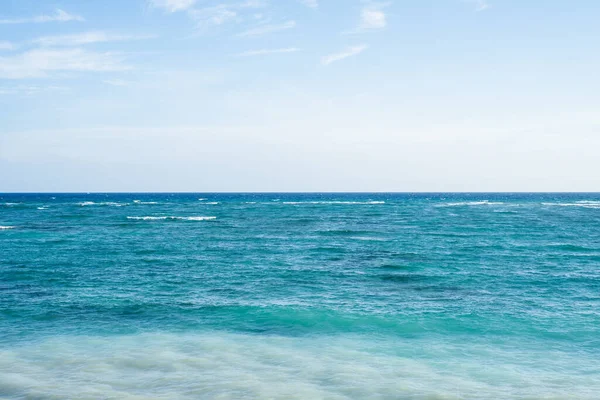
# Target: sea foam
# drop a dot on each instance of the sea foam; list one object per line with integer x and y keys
{"x": 164, "y": 218}
{"x": 106, "y": 203}
{"x": 583, "y": 204}
{"x": 472, "y": 203}
{"x": 234, "y": 366}
{"x": 334, "y": 202}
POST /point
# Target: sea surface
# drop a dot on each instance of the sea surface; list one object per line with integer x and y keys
{"x": 300, "y": 296}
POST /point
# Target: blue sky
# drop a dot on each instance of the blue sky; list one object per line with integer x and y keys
{"x": 299, "y": 95}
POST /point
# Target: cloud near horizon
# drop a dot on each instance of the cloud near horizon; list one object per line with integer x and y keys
{"x": 58, "y": 16}
{"x": 41, "y": 63}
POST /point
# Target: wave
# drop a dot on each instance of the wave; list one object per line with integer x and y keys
{"x": 107, "y": 203}
{"x": 213, "y": 203}
{"x": 369, "y": 239}
{"x": 145, "y": 202}
{"x": 2, "y": 228}
{"x": 226, "y": 365}
{"x": 334, "y": 202}
{"x": 171, "y": 218}
{"x": 583, "y": 204}
{"x": 472, "y": 203}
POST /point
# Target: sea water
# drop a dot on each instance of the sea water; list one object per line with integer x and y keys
{"x": 300, "y": 296}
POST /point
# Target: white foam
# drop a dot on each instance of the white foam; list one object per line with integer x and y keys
{"x": 106, "y": 203}
{"x": 42, "y": 208}
{"x": 145, "y": 202}
{"x": 334, "y": 202}
{"x": 6, "y": 227}
{"x": 229, "y": 366}
{"x": 213, "y": 203}
{"x": 369, "y": 239}
{"x": 472, "y": 203}
{"x": 164, "y": 218}
{"x": 583, "y": 204}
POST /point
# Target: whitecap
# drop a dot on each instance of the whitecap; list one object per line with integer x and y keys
{"x": 42, "y": 208}
{"x": 582, "y": 204}
{"x": 472, "y": 203}
{"x": 164, "y": 218}
{"x": 334, "y": 202}
{"x": 369, "y": 239}
{"x": 2, "y": 228}
{"x": 108, "y": 203}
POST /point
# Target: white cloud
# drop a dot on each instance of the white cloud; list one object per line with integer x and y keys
{"x": 6, "y": 45}
{"x": 116, "y": 82}
{"x": 349, "y": 52}
{"x": 58, "y": 16}
{"x": 372, "y": 19}
{"x": 262, "y": 52}
{"x": 480, "y": 5}
{"x": 310, "y": 3}
{"x": 85, "y": 38}
{"x": 40, "y": 63}
{"x": 173, "y": 5}
{"x": 266, "y": 29}
{"x": 29, "y": 90}
{"x": 223, "y": 13}
{"x": 212, "y": 16}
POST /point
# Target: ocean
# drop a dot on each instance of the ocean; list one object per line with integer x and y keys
{"x": 300, "y": 296}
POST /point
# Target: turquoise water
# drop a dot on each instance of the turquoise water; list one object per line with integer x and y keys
{"x": 300, "y": 296}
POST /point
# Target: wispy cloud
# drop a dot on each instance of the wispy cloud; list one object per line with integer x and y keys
{"x": 262, "y": 52}
{"x": 58, "y": 16}
{"x": 40, "y": 63}
{"x": 349, "y": 52}
{"x": 86, "y": 38}
{"x": 173, "y": 5}
{"x": 480, "y": 5}
{"x": 371, "y": 18}
{"x": 222, "y": 13}
{"x": 116, "y": 82}
{"x": 266, "y": 29}
{"x": 6, "y": 45}
{"x": 310, "y": 3}
{"x": 212, "y": 16}
{"x": 29, "y": 90}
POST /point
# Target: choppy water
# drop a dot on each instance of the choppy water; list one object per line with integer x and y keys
{"x": 300, "y": 296}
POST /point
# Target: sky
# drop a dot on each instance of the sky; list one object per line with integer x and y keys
{"x": 299, "y": 95}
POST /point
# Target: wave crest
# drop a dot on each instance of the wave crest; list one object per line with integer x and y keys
{"x": 171, "y": 218}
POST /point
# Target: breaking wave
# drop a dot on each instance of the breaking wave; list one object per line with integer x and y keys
{"x": 334, "y": 202}
{"x": 171, "y": 218}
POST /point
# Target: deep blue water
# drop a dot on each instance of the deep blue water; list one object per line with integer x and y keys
{"x": 333, "y": 296}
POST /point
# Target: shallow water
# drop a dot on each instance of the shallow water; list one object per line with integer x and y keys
{"x": 345, "y": 296}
